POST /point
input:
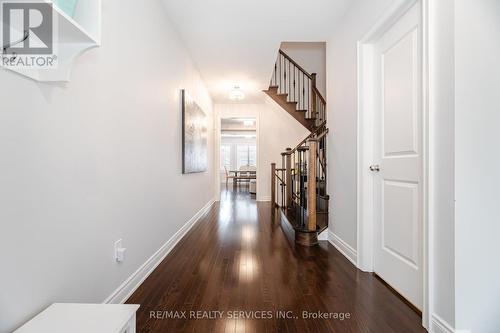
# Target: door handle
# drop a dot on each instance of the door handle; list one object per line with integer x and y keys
{"x": 375, "y": 168}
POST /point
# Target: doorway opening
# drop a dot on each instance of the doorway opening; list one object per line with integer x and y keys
{"x": 238, "y": 154}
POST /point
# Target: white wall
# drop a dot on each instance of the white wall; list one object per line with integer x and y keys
{"x": 95, "y": 160}
{"x": 442, "y": 170}
{"x": 477, "y": 120}
{"x": 342, "y": 114}
{"x": 312, "y": 57}
{"x": 276, "y": 130}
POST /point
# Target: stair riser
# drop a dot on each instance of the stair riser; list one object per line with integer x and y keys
{"x": 291, "y": 109}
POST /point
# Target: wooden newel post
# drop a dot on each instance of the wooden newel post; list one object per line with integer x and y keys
{"x": 273, "y": 185}
{"x": 311, "y": 185}
{"x": 288, "y": 175}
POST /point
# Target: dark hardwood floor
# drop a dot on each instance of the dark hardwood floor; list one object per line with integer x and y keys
{"x": 239, "y": 258}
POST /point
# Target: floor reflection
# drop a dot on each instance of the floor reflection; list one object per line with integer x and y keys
{"x": 240, "y": 257}
{"x": 238, "y": 226}
{"x": 248, "y": 235}
{"x": 238, "y": 209}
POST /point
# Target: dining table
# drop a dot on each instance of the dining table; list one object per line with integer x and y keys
{"x": 243, "y": 175}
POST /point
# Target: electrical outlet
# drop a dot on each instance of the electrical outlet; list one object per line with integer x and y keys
{"x": 119, "y": 251}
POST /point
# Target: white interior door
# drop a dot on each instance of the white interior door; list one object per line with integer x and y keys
{"x": 398, "y": 167}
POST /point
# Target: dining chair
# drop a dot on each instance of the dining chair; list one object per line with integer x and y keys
{"x": 228, "y": 176}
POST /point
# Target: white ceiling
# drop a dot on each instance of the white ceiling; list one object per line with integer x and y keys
{"x": 236, "y": 42}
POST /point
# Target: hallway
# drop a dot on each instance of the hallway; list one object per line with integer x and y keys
{"x": 237, "y": 257}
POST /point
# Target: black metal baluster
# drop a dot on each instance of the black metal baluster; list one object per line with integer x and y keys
{"x": 299, "y": 185}
{"x": 303, "y": 92}
{"x": 308, "y": 98}
{"x": 282, "y": 194}
{"x": 279, "y": 84}
{"x": 318, "y": 168}
{"x": 279, "y": 73}
{"x": 275, "y": 72}
{"x": 284, "y": 75}
{"x": 283, "y": 70}
{"x": 317, "y": 106}
{"x": 320, "y": 109}
{"x": 302, "y": 187}
{"x": 283, "y": 187}
{"x": 306, "y": 101}
{"x": 293, "y": 176}
{"x": 289, "y": 82}
{"x": 298, "y": 90}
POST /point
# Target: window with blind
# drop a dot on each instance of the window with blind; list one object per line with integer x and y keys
{"x": 246, "y": 155}
{"x": 225, "y": 157}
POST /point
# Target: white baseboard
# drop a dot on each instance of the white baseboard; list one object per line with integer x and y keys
{"x": 127, "y": 288}
{"x": 343, "y": 248}
{"x": 439, "y": 325}
{"x": 264, "y": 198}
{"x": 324, "y": 235}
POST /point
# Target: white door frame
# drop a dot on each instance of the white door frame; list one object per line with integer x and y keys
{"x": 224, "y": 111}
{"x": 365, "y": 187}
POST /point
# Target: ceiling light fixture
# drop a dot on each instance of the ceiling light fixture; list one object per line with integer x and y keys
{"x": 236, "y": 94}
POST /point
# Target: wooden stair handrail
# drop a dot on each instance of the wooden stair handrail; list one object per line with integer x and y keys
{"x": 303, "y": 172}
{"x": 313, "y": 133}
{"x": 295, "y": 64}
{"x": 295, "y": 90}
{"x": 319, "y": 94}
{"x": 322, "y": 135}
{"x": 306, "y": 73}
{"x": 279, "y": 178}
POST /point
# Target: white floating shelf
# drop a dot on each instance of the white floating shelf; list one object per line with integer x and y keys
{"x": 75, "y": 35}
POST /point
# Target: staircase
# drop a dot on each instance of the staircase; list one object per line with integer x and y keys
{"x": 299, "y": 188}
